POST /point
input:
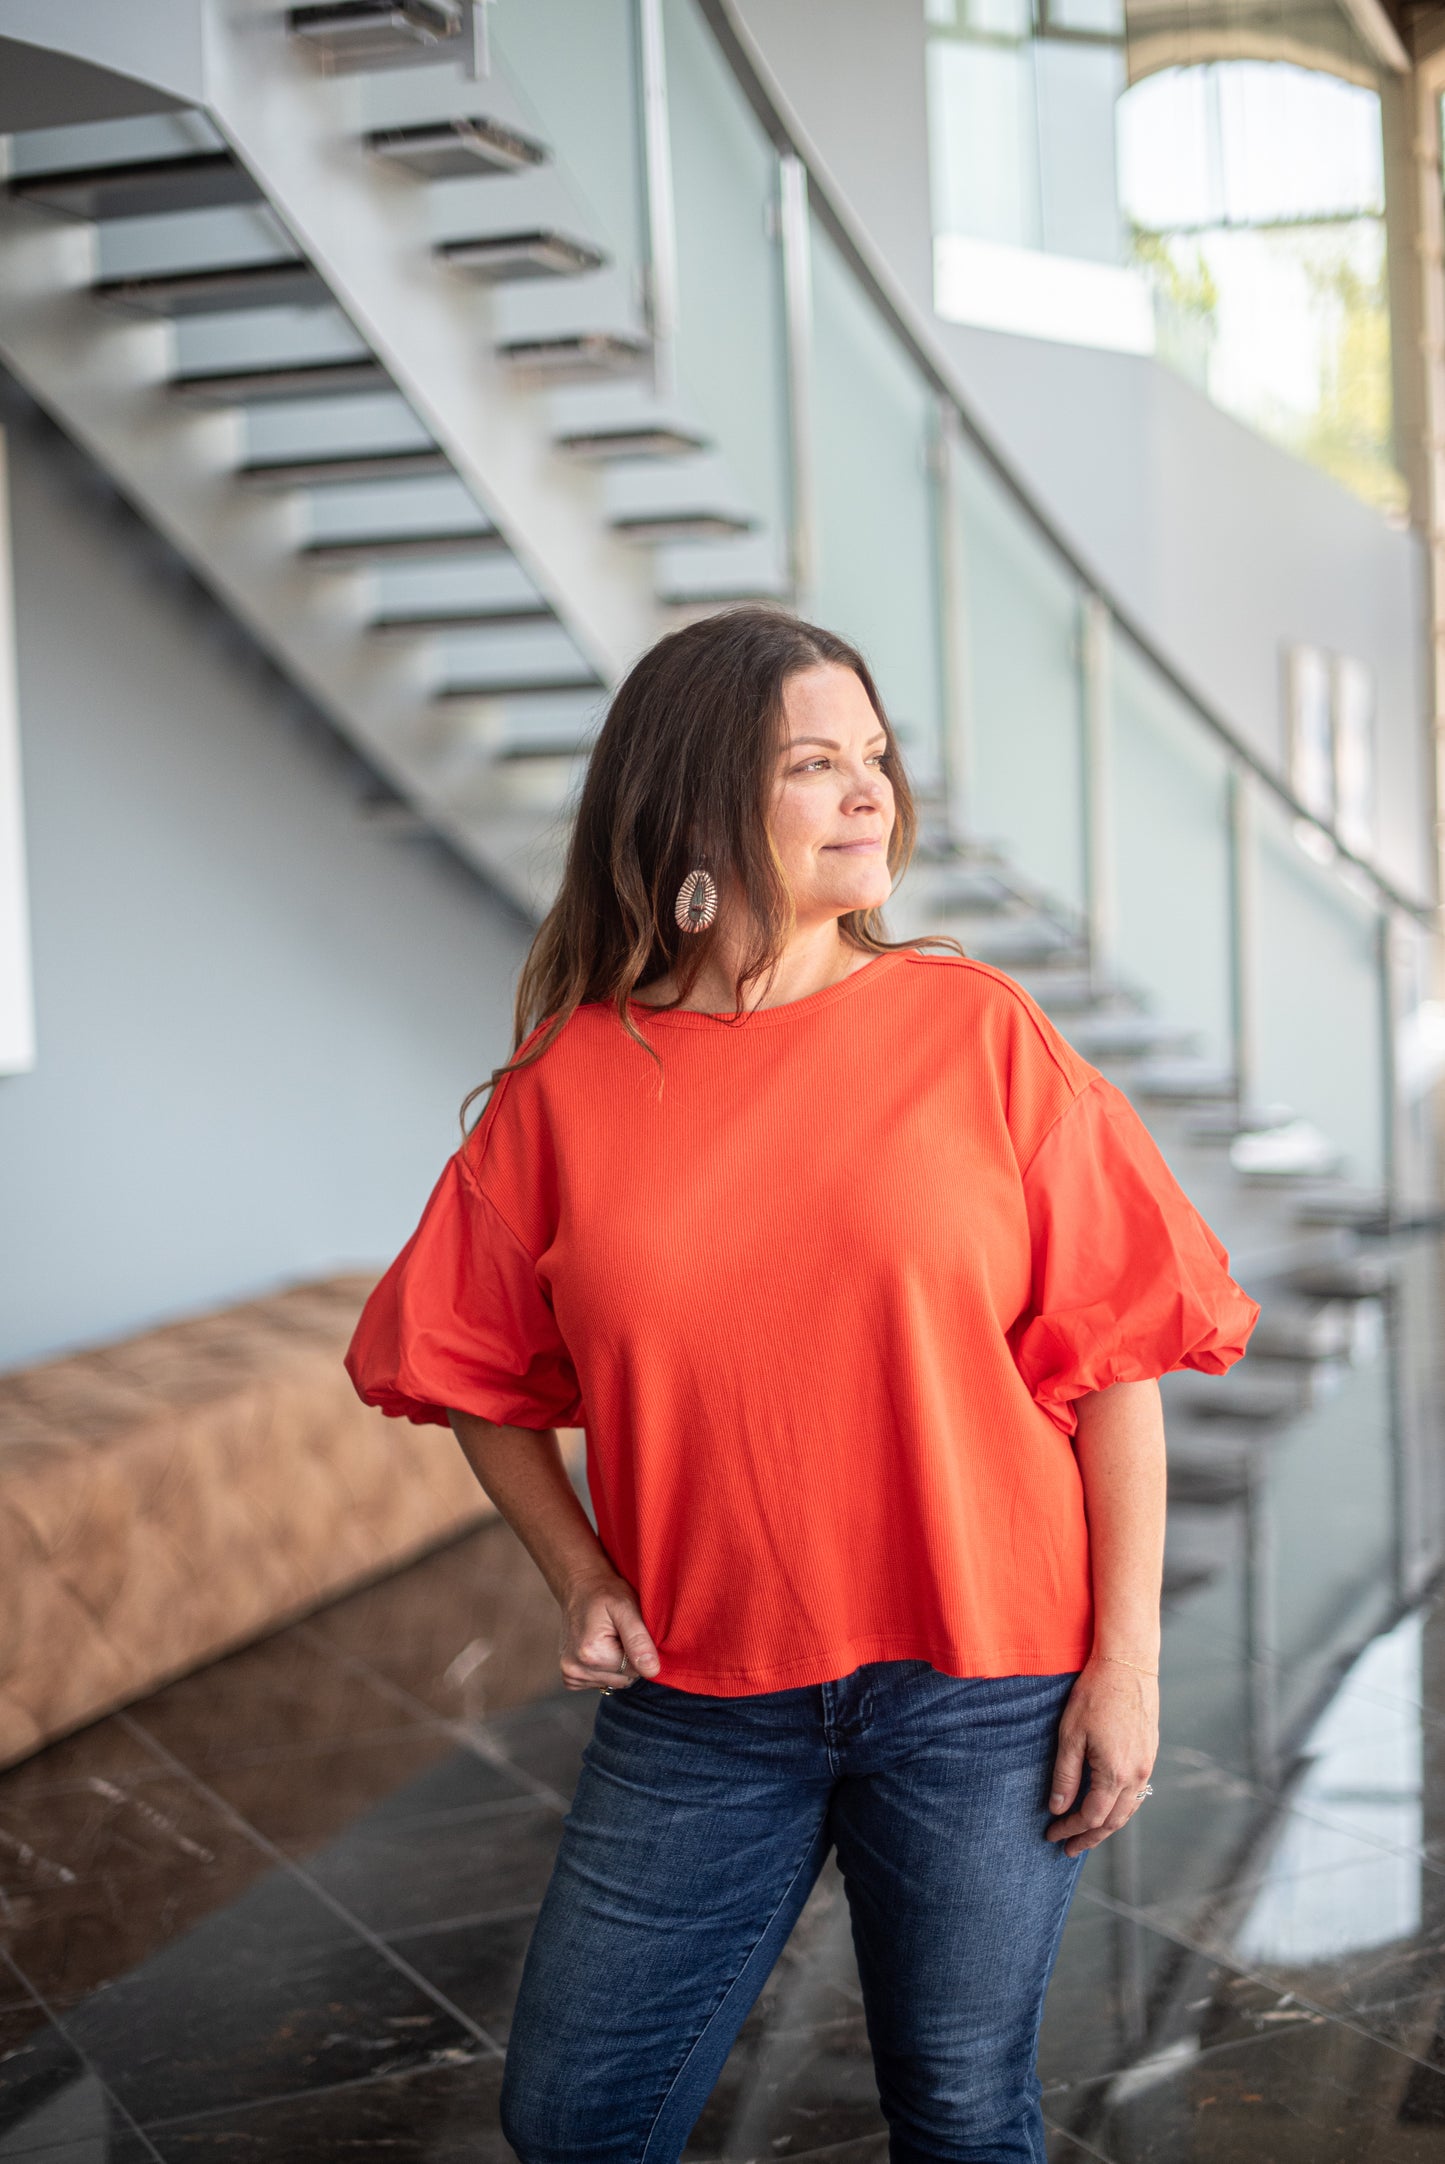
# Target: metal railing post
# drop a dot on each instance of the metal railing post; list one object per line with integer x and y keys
{"x": 1243, "y": 1047}
{"x": 956, "y": 735}
{"x": 1261, "y": 1622}
{"x": 662, "y": 283}
{"x": 794, "y": 227}
{"x": 1391, "y": 1165}
{"x": 1096, "y": 716}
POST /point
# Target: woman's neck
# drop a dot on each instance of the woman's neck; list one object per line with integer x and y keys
{"x": 808, "y": 964}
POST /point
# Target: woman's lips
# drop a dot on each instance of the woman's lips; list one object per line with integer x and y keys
{"x": 856, "y": 848}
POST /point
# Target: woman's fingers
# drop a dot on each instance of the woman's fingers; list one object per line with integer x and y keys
{"x": 605, "y": 1643}
{"x": 637, "y": 1645}
{"x": 1111, "y": 1802}
{"x": 1111, "y": 1725}
{"x": 1068, "y": 1771}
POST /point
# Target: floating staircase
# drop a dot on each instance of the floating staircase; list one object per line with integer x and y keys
{"x": 258, "y": 315}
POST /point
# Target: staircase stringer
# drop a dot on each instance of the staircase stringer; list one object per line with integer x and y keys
{"x": 104, "y": 378}
{"x": 363, "y": 225}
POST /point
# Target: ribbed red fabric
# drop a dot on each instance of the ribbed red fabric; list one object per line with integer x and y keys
{"x": 823, "y": 1306}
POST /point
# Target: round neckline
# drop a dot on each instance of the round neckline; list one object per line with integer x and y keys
{"x": 757, "y": 1017}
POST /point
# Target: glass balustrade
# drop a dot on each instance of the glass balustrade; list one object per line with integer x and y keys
{"x": 1168, "y": 817}
{"x": 877, "y": 567}
{"x": 1316, "y": 999}
{"x": 1332, "y": 1528}
{"x": 730, "y": 346}
{"x": 1022, "y": 691}
{"x": 572, "y": 67}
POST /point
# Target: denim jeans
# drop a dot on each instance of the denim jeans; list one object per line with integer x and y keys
{"x": 697, "y": 1831}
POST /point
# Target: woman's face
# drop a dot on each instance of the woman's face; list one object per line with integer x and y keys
{"x": 832, "y": 811}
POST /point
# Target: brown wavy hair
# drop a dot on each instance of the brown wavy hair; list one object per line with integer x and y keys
{"x": 686, "y": 759}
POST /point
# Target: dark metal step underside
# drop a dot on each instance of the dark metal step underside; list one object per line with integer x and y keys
{"x": 237, "y": 286}
{"x": 140, "y": 188}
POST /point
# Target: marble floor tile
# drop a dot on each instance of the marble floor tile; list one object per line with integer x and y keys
{"x": 394, "y": 1876}
{"x": 302, "y": 1800}
{"x": 1090, "y": 2023}
{"x": 789, "y": 2092}
{"x": 1310, "y": 2094}
{"x": 1123, "y": 1991}
{"x": 545, "y": 1741}
{"x": 441, "y": 2114}
{"x": 108, "y": 1750}
{"x": 1064, "y": 2148}
{"x": 287, "y": 1693}
{"x": 52, "y": 2105}
{"x": 265, "y": 1999}
{"x": 106, "y": 1828}
{"x": 868, "y": 2149}
{"x": 1320, "y": 1892}
{"x": 35, "y": 2063}
{"x": 468, "y": 1633}
{"x": 476, "y": 1965}
{"x": 94, "y": 1878}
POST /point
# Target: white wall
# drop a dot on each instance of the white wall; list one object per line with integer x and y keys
{"x": 256, "y": 1015}
{"x": 1225, "y": 547}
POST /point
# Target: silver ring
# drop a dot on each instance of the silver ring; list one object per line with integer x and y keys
{"x": 1147, "y": 1790}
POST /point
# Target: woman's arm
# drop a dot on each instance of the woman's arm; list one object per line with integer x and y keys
{"x": 522, "y": 1470}
{"x": 1111, "y": 1721}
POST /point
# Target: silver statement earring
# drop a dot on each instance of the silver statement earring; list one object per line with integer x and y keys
{"x": 696, "y": 903}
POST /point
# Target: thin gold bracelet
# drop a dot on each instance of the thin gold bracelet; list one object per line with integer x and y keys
{"x": 1128, "y": 1664}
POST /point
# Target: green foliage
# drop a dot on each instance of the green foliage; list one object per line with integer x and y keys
{"x": 1350, "y": 432}
{"x": 1182, "y": 278}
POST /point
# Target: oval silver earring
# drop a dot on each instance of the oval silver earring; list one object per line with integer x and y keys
{"x": 696, "y": 903}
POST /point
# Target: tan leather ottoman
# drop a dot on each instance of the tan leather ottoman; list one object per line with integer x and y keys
{"x": 173, "y": 1495}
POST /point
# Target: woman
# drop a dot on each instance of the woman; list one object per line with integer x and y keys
{"x": 859, "y": 1279}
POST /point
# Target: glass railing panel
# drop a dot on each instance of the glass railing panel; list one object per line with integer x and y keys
{"x": 1169, "y": 819}
{"x": 1419, "y": 1061}
{"x": 1331, "y": 1530}
{"x": 1317, "y": 1000}
{"x": 877, "y": 576}
{"x": 1021, "y": 691}
{"x": 730, "y": 348}
{"x": 1205, "y": 1715}
{"x": 566, "y": 72}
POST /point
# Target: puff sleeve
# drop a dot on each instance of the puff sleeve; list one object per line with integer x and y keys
{"x": 461, "y": 1319}
{"x": 1128, "y": 1281}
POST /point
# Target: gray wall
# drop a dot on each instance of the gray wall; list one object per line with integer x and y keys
{"x": 257, "y": 1013}
{"x": 1224, "y": 547}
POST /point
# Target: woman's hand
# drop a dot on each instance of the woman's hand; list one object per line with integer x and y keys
{"x": 604, "y": 1636}
{"x": 1111, "y": 1723}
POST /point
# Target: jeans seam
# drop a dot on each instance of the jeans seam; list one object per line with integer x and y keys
{"x": 700, "y": 2038}
{"x": 1048, "y": 1969}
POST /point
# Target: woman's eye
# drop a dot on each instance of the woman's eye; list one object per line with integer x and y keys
{"x": 875, "y": 758}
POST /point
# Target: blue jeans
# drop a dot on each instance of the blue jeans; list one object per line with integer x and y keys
{"x": 698, "y": 1829}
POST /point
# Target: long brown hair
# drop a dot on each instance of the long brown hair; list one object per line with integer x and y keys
{"x": 686, "y": 760}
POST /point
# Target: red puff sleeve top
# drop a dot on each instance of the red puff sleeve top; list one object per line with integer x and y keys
{"x": 823, "y": 1307}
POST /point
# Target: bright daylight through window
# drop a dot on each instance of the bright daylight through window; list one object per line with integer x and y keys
{"x": 1097, "y": 182}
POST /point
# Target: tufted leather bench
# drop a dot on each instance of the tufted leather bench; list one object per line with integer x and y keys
{"x": 171, "y": 1496}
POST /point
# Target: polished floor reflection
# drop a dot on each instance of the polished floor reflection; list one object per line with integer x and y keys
{"x": 278, "y": 1910}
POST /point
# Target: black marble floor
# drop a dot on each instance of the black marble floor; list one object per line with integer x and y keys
{"x": 278, "y": 1910}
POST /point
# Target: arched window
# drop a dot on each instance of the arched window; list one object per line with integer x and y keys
{"x": 1214, "y": 199}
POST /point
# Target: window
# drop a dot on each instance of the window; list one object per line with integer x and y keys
{"x": 1223, "y": 213}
